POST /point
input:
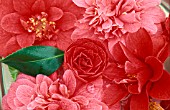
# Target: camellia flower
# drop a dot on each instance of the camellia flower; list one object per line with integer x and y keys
{"x": 87, "y": 57}
{"x": 36, "y": 22}
{"x": 138, "y": 68}
{"x": 106, "y": 18}
{"x": 41, "y": 93}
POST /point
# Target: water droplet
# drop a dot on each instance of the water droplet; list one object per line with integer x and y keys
{"x": 91, "y": 88}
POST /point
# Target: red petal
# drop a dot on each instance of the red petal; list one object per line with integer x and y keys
{"x": 161, "y": 89}
{"x": 11, "y": 46}
{"x": 139, "y": 102}
{"x": 64, "y": 39}
{"x": 157, "y": 67}
{"x": 118, "y": 54}
{"x": 67, "y": 21}
{"x": 25, "y": 40}
{"x": 113, "y": 93}
{"x": 23, "y": 6}
{"x": 38, "y": 6}
{"x": 55, "y": 13}
{"x": 139, "y": 43}
{"x": 11, "y": 23}
{"x": 70, "y": 81}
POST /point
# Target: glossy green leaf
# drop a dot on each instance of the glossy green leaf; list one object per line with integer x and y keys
{"x": 14, "y": 72}
{"x": 36, "y": 60}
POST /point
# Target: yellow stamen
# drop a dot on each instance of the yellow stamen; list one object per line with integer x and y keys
{"x": 155, "y": 106}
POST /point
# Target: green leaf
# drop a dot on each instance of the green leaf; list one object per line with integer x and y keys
{"x": 14, "y": 72}
{"x": 36, "y": 60}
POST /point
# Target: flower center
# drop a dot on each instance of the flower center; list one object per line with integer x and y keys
{"x": 155, "y": 106}
{"x": 41, "y": 26}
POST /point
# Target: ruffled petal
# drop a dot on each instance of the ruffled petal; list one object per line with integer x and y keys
{"x": 11, "y": 23}
{"x": 161, "y": 89}
{"x": 55, "y": 13}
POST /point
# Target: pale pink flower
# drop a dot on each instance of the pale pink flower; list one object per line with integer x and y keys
{"x": 108, "y": 18}
{"x": 41, "y": 93}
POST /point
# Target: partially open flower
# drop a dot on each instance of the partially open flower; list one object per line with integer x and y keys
{"x": 87, "y": 57}
{"x": 37, "y": 22}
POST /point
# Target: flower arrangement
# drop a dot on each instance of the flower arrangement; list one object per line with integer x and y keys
{"x": 85, "y": 54}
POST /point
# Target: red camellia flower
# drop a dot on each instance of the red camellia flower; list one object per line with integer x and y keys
{"x": 87, "y": 57}
{"x": 36, "y": 22}
{"x": 138, "y": 69}
{"x": 109, "y": 18}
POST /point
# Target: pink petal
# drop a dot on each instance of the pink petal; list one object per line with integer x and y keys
{"x": 150, "y": 3}
{"x": 81, "y": 100}
{"x": 43, "y": 88}
{"x": 67, "y": 21}
{"x": 107, "y": 24}
{"x": 95, "y": 105}
{"x": 25, "y": 40}
{"x": 38, "y": 6}
{"x": 156, "y": 66}
{"x": 5, "y": 105}
{"x": 140, "y": 43}
{"x": 13, "y": 45}
{"x": 80, "y": 3}
{"x": 156, "y": 14}
{"x": 23, "y": 6}
{"x": 24, "y": 94}
{"x": 40, "y": 78}
{"x": 139, "y": 102}
{"x": 90, "y": 2}
{"x": 11, "y": 23}
{"x": 161, "y": 89}
{"x": 53, "y": 107}
{"x": 70, "y": 81}
{"x": 113, "y": 93}
{"x": 55, "y": 13}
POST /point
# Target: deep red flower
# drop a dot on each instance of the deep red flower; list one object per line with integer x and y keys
{"x": 36, "y": 22}
{"x": 87, "y": 57}
{"x": 138, "y": 68}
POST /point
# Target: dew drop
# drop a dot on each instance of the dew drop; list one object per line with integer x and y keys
{"x": 91, "y": 88}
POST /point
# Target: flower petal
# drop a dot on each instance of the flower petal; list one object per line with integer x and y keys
{"x": 25, "y": 40}
{"x": 23, "y": 6}
{"x": 157, "y": 67}
{"x": 38, "y": 6}
{"x": 11, "y": 46}
{"x": 113, "y": 93}
{"x": 11, "y": 23}
{"x": 55, "y": 13}
{"x": 24, "y": 93}
{"x": 67, "y": 21}
{"x": 139, "y": 102}
{"x": 70, "y": 81}
{"x": 80, "y": 3}
{"x": 161, "y": 89}
{"x": 140, "y": 43}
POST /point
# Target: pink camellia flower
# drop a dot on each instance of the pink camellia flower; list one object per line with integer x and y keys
{"x": 138, "y": 68}
{"x": 106, "y": 18}
{"x": 88, "y": 58}
{"x": 36, "y": 22}
{"x": 42, "y": 93}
